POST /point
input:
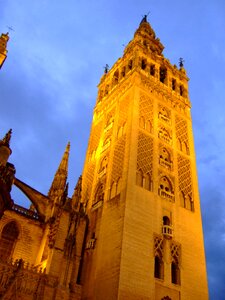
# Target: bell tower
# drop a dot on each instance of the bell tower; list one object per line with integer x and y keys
{"x": 139, "y": 187}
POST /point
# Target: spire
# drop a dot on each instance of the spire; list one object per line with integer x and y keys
{"x": 5, "y": 150}
{"x": 146, "y": 35}
{"x": 3, "y": 51}
{"x": 6, "y": 140}
{"x": 59, "y": 182}
{"x": 76, "y": 198}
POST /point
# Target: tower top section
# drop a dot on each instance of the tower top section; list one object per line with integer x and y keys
{"x": 3, "y": 45}
{"x": 143, "y": 59}
{"x": 147, "y": 36}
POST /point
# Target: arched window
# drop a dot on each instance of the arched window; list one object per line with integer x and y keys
{"x": 182, "y": 199}
{"x": 113, "y": 190}
{"x": 173, "y": 84}
{"x": 8, "y": 240}
{"x": 165, "y": 158}
{"x": 148, "y": 182}
{"x": 185, "y": 148}
{"x": 166, "y": 188}
{"x": 116, "y": 77}
{"x": 118, "y": 189}
{"x": 106, "y": 89}
{"x": 159, "y": 267}
{"x": 149, "y": 126}
{"x": 165, "y": 184}
{"x": 189, "y": 203}
{"x": 139, "y": 178}
{"x": 162, "y": 74}
{"x": 152, "y": 70}
{"x": 120, "y": 132}
{"x": 181, "y": 90}
{"x": 179, "y": 144}
{"x": 123, "y": 73}
{"x": 130, "y": 64}
{"x": 142, "y": 122}
{"x": 99, "y": 194}
{"x": 166, "y": 221}
{"x": 143, "y": 64}
{"x": 175, "y": 273}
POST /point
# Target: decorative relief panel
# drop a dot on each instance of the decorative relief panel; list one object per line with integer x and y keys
{"x": 182, "y": 134}
{"x": 123, "y": 111}
{"x": 118, "y": 159}
{"x": 185, "y": 182}
{"x": 146, "y": 113}
{"x": 165, "y": 157}
{"x": 165, "y": 134}
{"x": 144, "y": 161}
{"x": 89, "y": 181}
{"x": 164, "y": 114}
{"x": 158, "y": 246}
{"x": 95, "y": 137}
{"x": 117, "y": 167}
{"x": 175, "y": 252}
{"x": 166, "y": 187}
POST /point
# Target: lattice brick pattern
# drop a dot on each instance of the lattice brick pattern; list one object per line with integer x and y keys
{"x": 145, "y": 153}
{"x": 184, "y": 175}
{"x": 146, "y": 108}
{"x": 123, "y": 111}
{"x": 158, "y": 245}
{"x": 175, "y": 252}
{"x": 95, "y": 136}
{"x": 118, "y": 159}
{"x": 181, "y": 130}
{"x": 89, "y": 181}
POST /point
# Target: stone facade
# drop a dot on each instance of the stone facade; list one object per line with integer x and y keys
{"x": 132, "y": 229}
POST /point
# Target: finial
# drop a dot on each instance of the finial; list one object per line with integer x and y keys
{"x": 181, "y": 62}
{"x": 144, "y": 19}
{"x": 10, "y": 29}
{"x": 68, "y": 147}
{"x": 7, "y": 137}
{"x": 106, "y": 68}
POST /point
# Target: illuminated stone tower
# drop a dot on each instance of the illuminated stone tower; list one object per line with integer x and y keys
{"x": 140, "y": 186}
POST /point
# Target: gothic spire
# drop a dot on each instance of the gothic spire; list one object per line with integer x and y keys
{"x": 59, "y": 182}
{"x": 76, "y": 198}
{"x": 6, "y": 140}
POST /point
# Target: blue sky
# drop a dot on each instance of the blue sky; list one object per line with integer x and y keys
{"x": 48, "y": 88}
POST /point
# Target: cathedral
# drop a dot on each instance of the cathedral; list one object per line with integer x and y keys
{"x": 132, "y": 228}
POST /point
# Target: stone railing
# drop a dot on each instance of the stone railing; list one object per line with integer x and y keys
{"x": 25, "y": 212}
{"x": 167, "y": 195}
{"x": 167, "y": 231}
{"x": 19, "y": 280}
{"x": 165, "y": 163}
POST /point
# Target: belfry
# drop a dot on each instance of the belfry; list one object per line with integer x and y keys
{"x": 132, "y": 228}
{"x": 140, "y": 183}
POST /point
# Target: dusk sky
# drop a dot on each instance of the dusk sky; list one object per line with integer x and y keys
{"x": 48, "y": 88}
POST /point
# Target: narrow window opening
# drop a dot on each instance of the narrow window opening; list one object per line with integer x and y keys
{"x": 175, "y": 273}
{"x": 181, "y": 90}
{"x": 152, "y": 70}
{"x": 162, "y": 74}
{"x": 173, "y": 84}
{"x": 143, "y": 64}
{"x": 130, "y": 64}
{"x": 123, "y": 73}
{"x": 158, "y": 271}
